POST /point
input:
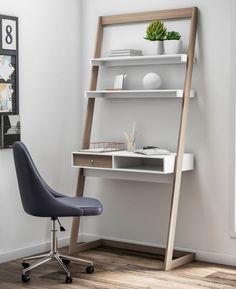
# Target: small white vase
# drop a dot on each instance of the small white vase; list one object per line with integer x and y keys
{"x": 156, "y": 47}
{"x": 172, "y": 46}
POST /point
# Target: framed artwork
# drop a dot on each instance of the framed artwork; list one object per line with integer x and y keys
{"x": 9, "y": 82}
{"x": 6, "y": 67}
{"x": 9, "y": 71}
{"x": 6, "y": 92}
{"x": 8, "y": 34}
{"x": 9, "y": 130}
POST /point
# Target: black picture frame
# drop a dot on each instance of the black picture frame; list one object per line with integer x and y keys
{"x": 9, "y": 130}
{"x": 14, "y": 54}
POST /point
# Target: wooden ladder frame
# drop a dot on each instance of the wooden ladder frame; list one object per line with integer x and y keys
{"x": 173, "y": 258}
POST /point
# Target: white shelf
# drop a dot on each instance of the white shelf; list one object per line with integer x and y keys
{"x": 140, "y": 60}
{"x": 163, "y": 93}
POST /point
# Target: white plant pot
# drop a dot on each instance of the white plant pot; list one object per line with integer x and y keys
{"x": 156, "y": 47}
{"x": 160, "y": 47}
{"x": 172, "y": 46}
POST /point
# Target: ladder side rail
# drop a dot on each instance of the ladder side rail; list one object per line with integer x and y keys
{"x": 86, "y": 135}
{"x": 181, "y": 142}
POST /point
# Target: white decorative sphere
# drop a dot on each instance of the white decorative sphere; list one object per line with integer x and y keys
{"x": 151, "y": 81}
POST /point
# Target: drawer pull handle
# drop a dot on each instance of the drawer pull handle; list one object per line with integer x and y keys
{"x": 92, "y": 161}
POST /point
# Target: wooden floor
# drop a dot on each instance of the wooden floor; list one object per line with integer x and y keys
{"x": 121, "y": 269}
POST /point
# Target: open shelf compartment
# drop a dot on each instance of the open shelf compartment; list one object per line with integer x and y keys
{"x": 137, "y": 164}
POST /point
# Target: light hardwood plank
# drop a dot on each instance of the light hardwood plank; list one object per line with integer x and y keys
{"x": 121, "y": 269}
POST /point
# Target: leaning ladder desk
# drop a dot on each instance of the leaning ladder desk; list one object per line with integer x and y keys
{"x": 173, "y": 258}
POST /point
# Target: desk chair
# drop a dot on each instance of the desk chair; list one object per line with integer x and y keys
{"x": 40, "y": 200}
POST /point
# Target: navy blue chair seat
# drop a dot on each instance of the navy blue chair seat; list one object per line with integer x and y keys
{"x": 39, "y": 199}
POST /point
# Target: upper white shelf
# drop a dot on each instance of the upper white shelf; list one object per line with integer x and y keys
{"x": 163, "y": 93}
{"x": 140, "y": 60}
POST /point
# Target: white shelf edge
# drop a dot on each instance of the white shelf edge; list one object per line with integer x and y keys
{"x": 126, "y": 154}
{"x": 140, "y": 60}
{"x": 131, "y": 170}
{"x": 124, "y": 170}
{"x": 130, "y": 176}
{"x": 161, "y": 93}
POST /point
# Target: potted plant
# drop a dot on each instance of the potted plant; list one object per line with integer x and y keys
{"x": 155, "y": 33}
{"x": 172, "y": 43}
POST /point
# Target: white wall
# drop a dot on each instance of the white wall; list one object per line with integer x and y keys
{"x": 51, "y": 106}
{"x": 138, "y": 211}
{"x": 50, "y": 114}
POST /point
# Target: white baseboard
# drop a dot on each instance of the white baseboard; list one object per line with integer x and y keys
{"x": 32, "y": 249}
{"x": 36, "y": 248}
{"x": 206, "y": 256}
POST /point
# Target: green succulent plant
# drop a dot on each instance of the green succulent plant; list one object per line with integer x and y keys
{"x": 156, "y": 30}
{"x": 172, "y": 35}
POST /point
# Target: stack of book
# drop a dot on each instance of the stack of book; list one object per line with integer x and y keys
{"x": 125, "y": 52}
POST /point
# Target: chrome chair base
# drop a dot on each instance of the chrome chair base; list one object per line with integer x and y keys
{"x": 61, "y": 259}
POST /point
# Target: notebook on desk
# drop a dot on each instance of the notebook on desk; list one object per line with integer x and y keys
{"x": 152, "y": 151}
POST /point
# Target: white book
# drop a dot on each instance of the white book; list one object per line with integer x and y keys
{"x": 124, "y": 54}
{"x": 128, "y": 49}
{"x": 130, "y": 53}
{"x": 125, "y": 51}
{"x": 154, "y": 151}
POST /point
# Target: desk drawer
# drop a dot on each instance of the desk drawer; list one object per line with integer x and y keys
{"x": 96, "y": 161}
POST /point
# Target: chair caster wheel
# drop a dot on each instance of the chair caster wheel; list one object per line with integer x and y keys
{"x": 66, "y": 261}
{"x": 25, "y": 265}
{"x": 25, "y": 278}
{"x": 90, "y": 269}
{"x": 68, "y": 279}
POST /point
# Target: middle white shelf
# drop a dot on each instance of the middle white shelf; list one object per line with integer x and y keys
{"x": 161, "y": 93}
{"x": 140, "y": 60}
